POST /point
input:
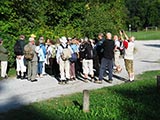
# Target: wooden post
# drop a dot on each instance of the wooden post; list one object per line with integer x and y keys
{"x": 85, "y": 101}
{"x": 158, "y": 83}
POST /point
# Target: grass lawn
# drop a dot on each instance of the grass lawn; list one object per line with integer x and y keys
{"x": 130, "y": 101}
{"x": 146, "y": 35}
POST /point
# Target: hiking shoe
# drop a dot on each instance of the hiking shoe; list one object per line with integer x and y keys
{"x": 92, "y": 79}
{"x": 98, "y": 81}
{"x": 35, "y": 80}
{"x": 74, "y": 78}
{"x": 23, "y": 77}
{"x": 66, "y": 82}
{"x": 60, "y": 82}
{"x": 18, "y": 76}
{"x": 85, "y": 80}
{"x": 110, "y": 81}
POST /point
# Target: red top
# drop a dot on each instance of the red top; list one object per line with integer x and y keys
{"x": 125, "y": 43}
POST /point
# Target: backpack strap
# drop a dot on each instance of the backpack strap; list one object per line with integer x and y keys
{"x": 63, "y": 46}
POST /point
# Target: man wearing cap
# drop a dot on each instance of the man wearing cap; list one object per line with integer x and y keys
{"x": 63, "y": 64}
{"x": 3, "y": 59}
{"x": 32, "y": 64}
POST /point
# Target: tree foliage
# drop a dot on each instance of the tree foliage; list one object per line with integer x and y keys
{"x": 56, "y": 18}
{"x": 143, "y": 13}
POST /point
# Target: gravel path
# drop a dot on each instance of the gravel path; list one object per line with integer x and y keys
{"x": 15, "y": 93}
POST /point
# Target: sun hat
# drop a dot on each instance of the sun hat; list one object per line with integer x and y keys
{"x": 33, "y": 35}
{"x": 63, "y": 39}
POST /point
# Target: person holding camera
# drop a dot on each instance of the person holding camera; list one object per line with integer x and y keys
{"x": 128, "y": 55}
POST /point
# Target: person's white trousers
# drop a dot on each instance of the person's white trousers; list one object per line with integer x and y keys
{"x": 4, "y": 65}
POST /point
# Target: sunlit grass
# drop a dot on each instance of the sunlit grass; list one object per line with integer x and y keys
{"x": 146, "y": 35}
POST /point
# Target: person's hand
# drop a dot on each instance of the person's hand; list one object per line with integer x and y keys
{"x": 120, "y": 32}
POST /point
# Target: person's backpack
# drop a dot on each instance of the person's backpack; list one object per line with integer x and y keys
{"x": 53, "y": 54}
{"x": 17, "y": 48}
{"x": 28, "y": 52}
{"x": 66, "y": 53}
{"x": 121, "y": 49}
{"x": 82, "y": 51}
{"x": 89, "y": 51}
{"x": 74, "y": 57}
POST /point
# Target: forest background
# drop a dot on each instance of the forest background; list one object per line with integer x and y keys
{"x": 73, "y": 18}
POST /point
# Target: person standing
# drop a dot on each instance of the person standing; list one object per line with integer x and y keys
{"x": 107, "y": 59}
{"x": 51, "y": 62}
{"x": 75, "y": 50}
{"x": 41, "y": 51}
{"x": 3, "y": 59}
{"x": 128, "y": 55}
{"x": 117, "y": 66}
{"x": 87, "y": 62}
{"x": 98, "y": 46}
{"x": 32, "y": 63}
{"x": 62, "y": 56}
{"x": 18, "y": 51}
{"x": 98, "y": 53}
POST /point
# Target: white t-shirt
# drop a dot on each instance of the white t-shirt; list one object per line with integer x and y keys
{"x": 129, "y": 51}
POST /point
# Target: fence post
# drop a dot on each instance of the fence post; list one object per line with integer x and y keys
{"x": 158, "y": 84}
{"x": 85, "y": 101}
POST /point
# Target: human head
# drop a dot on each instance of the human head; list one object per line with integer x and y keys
{"x": 132, "y": 38}
{"x": 85, "y": 39}
{"x": 100, "y": 36}
{"x": 31, "y": 40}
{"x": 115, "y": 37}
{"x": 41, "y": 40}
{"x": 22, "y": 37}
{"x": 108, "y": 35}
{"x": 63, "y": 40}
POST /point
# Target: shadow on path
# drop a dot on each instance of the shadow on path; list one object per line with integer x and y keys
{"x": 153, "y": 45}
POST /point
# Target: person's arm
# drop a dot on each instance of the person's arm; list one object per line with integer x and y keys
{"x": 127, "y": 38}
{"x": 3, "y": 50}
{"x": 58, "y": 53}
{"x": 121, "y": 35}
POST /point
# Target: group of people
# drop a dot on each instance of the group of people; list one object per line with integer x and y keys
{"x": 69, "y": 57}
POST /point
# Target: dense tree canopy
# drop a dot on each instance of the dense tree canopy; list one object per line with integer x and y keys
{"x": 54, "y": 18}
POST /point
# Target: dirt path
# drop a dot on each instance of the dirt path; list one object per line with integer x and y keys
{"x": 14, "y": 93}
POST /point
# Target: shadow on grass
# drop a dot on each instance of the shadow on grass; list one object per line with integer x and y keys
{"x": 29, "y": 112}
{"x": 77, "y": 104}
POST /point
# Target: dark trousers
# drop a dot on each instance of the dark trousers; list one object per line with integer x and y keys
{"x": 96, "y": 65}
{"x": 109, "y": 63}
{"x": 54, "y": 67}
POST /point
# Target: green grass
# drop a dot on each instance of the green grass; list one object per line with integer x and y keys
{"x": 131, "y": 101}
{"x": 146, "y": 35}
{"x": 12, "y": 72}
